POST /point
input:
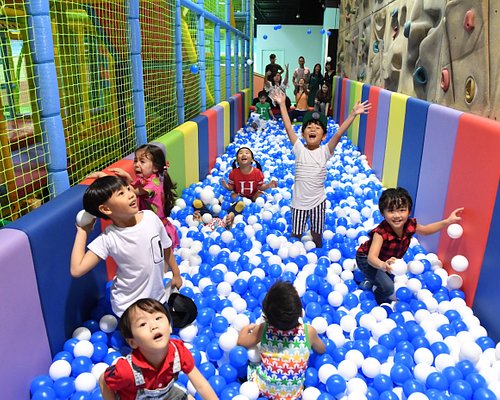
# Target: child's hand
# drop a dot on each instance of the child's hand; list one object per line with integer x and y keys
{"x": 273, "y": 183}
{"x": 286, "y": 66}
{"x": 362, "y": 108}
{"x": 387, "y": 264}
{"x": 455, "y": 216}
{"x": 277, "y": 96}
{"x": 96, "y": 175}
{"x": 248, "y": 330}
{"x": 176, "y": 281}
{"x": 86, "y": 228}
{"x": 119, "y": 172}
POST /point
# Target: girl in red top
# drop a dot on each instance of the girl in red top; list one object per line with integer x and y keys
{"x": 391, "y": 238}
{"x": 245, "y": 179}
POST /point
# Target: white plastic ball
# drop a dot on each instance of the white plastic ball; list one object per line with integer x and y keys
{"x": 399, "y": 267}
{"x": 459, "y": 263}
{"x": 325, "y": 371}
{"x": 224, "y": 289}
{"x": 228, "y": 340}
{"x": 416, "y": 267}
{"x": 310, "y": 393}
{"x": 250, "y": 390}
{"x": 85, "y": 382}
{"x": 207, "y": 195}
{"x": 334, "y": 255}
{"x": 98, "y": 369}
{"x": 455, "y": 231}
{"x": 82, "y": 333}
{"x": 320, "y": 324}
{"x": 83, "y": 218}
{"x": 249, "y": 61}
{"x": 254, "y": 354}
{"x": 328, "y": 59}
{"x": 188, "y": 333}
{"x": 240, "y": 321}
{"x": 347, "y": 369}
{"x": 454, "y": 281}
{"x": 59, "y": 369}
{"x": 356, "y": 356}
{"x": 357, "y": 388}
{"x": 423, "y": 356}
{"x": 207, "y": 218}
{"x": 370, "y": 367}
{"x": 226, "y": 236}
{"x": 348, "y": 323}
{"x": 335, "y": 298}
{"x": 443, "y": 360}
{"x": 470, "y": 351}
{"x": 108, "y": 323}
{"x": 83, "y": 348}
{"x": 181, "y": 203}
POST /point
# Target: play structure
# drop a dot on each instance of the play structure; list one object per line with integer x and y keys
{"x": 114, "y": 93}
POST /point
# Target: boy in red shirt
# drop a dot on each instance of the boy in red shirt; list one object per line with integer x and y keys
{"x": 152, "y": 367}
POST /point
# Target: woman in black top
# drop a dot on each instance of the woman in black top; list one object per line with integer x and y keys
{"x": 315, "y": 80}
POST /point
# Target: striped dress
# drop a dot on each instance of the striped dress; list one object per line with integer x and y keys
{"x": 284, "y": 357}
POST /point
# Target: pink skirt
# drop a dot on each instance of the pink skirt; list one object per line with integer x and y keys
{"x": 172, "y": 232}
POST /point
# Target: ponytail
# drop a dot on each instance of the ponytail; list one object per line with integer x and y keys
{"x": 169, "y": 192}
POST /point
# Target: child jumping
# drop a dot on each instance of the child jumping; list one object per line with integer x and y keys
{"x": 285, "y": 344}
{"x": 391, "y": 238}
{"x": 150, "y": 371}
{"x": 309, "y": 197}
{"x": 137, "y": 241}
{"x": 244, "y": 179}
{"x": 153, "y": 186}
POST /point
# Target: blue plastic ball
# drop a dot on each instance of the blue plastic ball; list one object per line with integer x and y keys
{"x": 311, "y": 378}
{"x": 220, "y": 324}
{"x": 111, "y": 357}
{"x": 207, "y": 369}
{"x": 39, "y": 382}
{"x": 238, "y": 356}
{"x": 81, "y": 396}
{"x": 64, "y": 387}
{"x": 309, "y": 31}
{"x": 436, "y": 380}
{"x": 194, "y": 70}
{"x": 400, "y": 374}
{"x": 382, "y": 383}
{"x": 229, "y": 372}
{"x": 64, "y": 355}
{"x": 98, "y": 336}
{"x": 44, "y": 393}
{"x": 336, "y": 385}
{"x": 462, "y": 388}
{"x": 264, "y": 37}
{"x": 218, "y": 383}
{"x": 214, "y": 352}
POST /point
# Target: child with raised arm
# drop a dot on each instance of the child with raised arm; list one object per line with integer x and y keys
{"x": 309, "y": 197}
{"x": 244, "y": 179}
{"x": 137, "y": 241}
{"x": 391, "y": 238}
{"x": 285, "y": 344}
{"x": 152, "y": 184}
{"x": 150, "y": 371}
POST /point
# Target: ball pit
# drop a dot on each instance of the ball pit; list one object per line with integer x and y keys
{"x": 425, "y": 344}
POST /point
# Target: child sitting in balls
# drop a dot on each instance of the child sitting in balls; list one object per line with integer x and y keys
{"x": 151, "y": 369}
{"x": 285, "y": 344}
{"x": 309, "y": 197}
{"x": 244, "y": 179}
{"x": 391, "y": 238}
{"x": 137, "y": 241}
{"x": 203, "y": 215}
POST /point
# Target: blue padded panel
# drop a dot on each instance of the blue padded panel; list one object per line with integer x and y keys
{"x": 413, "y": 144}
{"x": 384, "y": 103}
{"x": 66, "y": 301}
{"x": 338, "y": 95}
{"x": 435, "y": 167}
{"x": 486, "y": 301}
{"x": 202, "y": 122}
{"x": 363, "y": 119}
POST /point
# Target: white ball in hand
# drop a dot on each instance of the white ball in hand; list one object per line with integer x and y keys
{"x": 399, "y": 267}
{"x": 455, "y": 231}
{"x": 83, "y": 218}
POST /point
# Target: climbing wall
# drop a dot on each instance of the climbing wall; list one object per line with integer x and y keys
{"x": 437, "y": 50}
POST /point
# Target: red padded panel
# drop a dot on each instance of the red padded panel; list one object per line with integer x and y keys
{"x": 473, "y": 184}
{"x": 371, "y": 123}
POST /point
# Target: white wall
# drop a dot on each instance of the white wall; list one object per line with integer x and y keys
{"x": 292, "y": 41}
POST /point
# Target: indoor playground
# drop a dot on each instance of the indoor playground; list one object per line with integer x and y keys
{"x": 83, "y": 83}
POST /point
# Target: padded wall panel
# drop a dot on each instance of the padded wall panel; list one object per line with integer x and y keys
{"x": 203, "y": 148}
{"x": 339, "y": 87}
{"x": 356, "y": 93}
{"x": 174, "y": 144}
{"x": 473, "y": 184}
{"x": 233, "y": 117}
{"x": 190, "y": 131}
{"x": 247, "y": 102}
{"x": 26, "y": 351}
{"x": 347, "y": 100}
{"x": 435, "y": 168}
{"x": 66, "y": 302}
{"x": 363, "y": 119}
{"x": 371, "y": 123}
{"x": 219, "y": 109}
{"x": 380, "y": 141}
{"x": 211, "y": 115}
{"x": 413, "y": 145}
{"x": 395, "y": 127}
{"x": 227, "y": 123}
{"x": 486, "y": 301}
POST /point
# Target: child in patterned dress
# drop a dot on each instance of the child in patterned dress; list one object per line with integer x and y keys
{"x": 285, "y": 344}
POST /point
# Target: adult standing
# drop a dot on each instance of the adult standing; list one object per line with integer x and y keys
{"x": 329, "y": 74}
{"x": 272, "y": 68}
{"x": 301, "y": 72}
{"x": 315, "y": 81}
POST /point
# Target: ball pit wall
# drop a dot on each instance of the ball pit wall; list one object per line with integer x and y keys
{"x": 42, "y": 303}
{"x": 447, "y": 159}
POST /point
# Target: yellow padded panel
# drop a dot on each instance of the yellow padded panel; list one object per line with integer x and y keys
{"x": 227, "y": 122}
{"x": 395, "y": 127}
{"x": 357, "y": 90}
{"x": 190, "y": 131}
